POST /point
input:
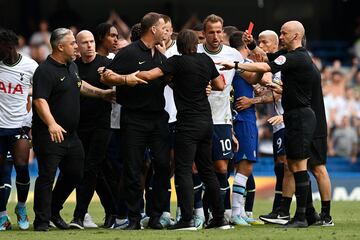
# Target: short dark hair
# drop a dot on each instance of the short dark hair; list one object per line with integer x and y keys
{"x": 9, "y": 37}
{"x": 228, "y": 30}
{"x": 236, "y": 41}
{"x": 187, "y": 42}
{"x": 100, "y": 33}
{"x": 135, "y": 33}
{"x": 149, "y": 20}
{"x": 198, "y": 27}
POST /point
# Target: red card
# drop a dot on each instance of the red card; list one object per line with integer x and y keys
{"x": 250, "y": 28}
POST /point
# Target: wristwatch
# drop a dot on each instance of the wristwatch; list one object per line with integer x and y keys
{"x": 236, "y": 65}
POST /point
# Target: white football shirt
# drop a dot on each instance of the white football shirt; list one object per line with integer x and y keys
{"x": 220, "y": 100}
{"x": 278, "y": 109}
{"x": 168, "y": 92}
{"x": 15, "y": 81}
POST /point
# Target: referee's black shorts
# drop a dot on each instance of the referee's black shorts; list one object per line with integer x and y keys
{"x": 318, "y": 152}
{"x": 300, "y": 125}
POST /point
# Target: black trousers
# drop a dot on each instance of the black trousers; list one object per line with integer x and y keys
{"x": 193, "y": 143}
{"x": 95, "y": 142}
{"x": 69, "y": 157}
{"x": 138, "y": 132}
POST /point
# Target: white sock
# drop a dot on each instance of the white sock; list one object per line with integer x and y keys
{"x": 166, "y": 215}
{"x": 238, "y": 199}
{"x": 249, "y": 214}
{"x": 227, "y": 214}
{"x": 199, "y": 212}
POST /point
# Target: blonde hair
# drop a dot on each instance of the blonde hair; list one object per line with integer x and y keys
{"x": 213, "y": 19}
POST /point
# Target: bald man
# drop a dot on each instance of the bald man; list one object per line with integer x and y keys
{"x": 94, "y": 126}
{"x": 298, "y": 75}
{"x": 268, "y": 41}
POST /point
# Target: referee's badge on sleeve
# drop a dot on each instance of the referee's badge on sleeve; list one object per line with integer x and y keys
{"x": 280, "y": 60}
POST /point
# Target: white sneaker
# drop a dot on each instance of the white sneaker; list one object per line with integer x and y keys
{"x": 88, "y": 222}
{"x": 120, "y": 223}
{"x": 199, "y": 221}
{"x": 144, "y": 222}
{"x": 165, "y": 220}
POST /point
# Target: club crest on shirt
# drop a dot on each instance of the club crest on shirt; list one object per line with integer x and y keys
{"x": 22, "y": 76}
{"x": 78, "y": 80}
{"x": 280, "y": 60}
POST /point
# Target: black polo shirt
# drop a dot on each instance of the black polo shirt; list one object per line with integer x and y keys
{"x": 298, "y": 76}
{"x": 94, "y": 112}
{"x": 59, "y": 84}
{"x": 191, "y": 74}
{"x": 143, "y": 97}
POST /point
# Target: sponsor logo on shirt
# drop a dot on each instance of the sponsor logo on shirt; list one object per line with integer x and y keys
{"x": 280, "y": 60}
{"x": 10, "y": 89}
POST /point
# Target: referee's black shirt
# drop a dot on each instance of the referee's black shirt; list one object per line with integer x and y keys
{"x": 143, "y": 97}
{"x": 317, "y": 99}
{"x": 298, "y": 76}
{"x": 59, "y": 84}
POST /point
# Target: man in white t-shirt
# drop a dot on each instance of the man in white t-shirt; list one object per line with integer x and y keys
{"x": 16, "y": 72}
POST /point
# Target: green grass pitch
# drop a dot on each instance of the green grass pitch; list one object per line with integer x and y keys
{"x": 346, "y": 217}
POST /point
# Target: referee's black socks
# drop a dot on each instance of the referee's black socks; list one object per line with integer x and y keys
{"x": 279, "y": 173}
{"x": 301, "y": 193}
{"x": 325, "y": 208}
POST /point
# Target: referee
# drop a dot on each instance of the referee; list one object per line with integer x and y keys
{"x": 299, "y": 77}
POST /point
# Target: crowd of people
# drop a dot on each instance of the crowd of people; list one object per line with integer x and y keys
{"x": 334, "y": 78}
{"x": 120, "y": 115}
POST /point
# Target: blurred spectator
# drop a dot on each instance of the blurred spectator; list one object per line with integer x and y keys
{"x": 40, "y": 42}
{"x": 122, "y": 28}
{"x": 23, "y": 49}
{"x": 345, "y": 140}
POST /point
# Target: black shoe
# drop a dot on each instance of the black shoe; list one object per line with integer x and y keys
{"x": 43, "y": 227}
{"x": 109, "y": 221}
{"x": 59, "y": 222}
{"x": 312, "y": 218}
{"x": 133, "y": 225}
{"x": 325, "y": 221}
{"x": 276, "y": 217}
{"x": 221, "y": 223}
{"x": 295, "y": 223}
{"x": 183, "y": 225}
{"x": 154, "y": 223}
{"x": 76, "y": 223}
